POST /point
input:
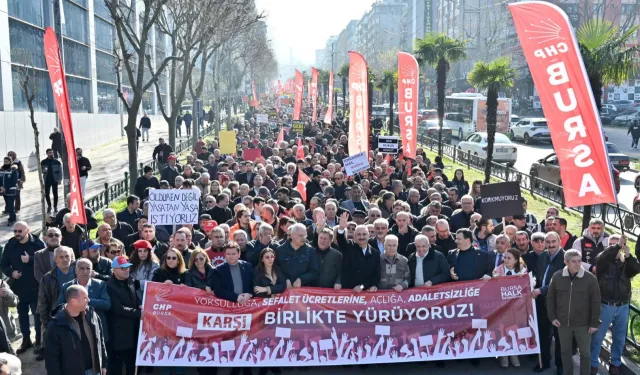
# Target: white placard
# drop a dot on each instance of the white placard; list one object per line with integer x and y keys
{"x": 173, "y": 207}
{"x": 479, "y": 323}
{"x": 356, "y": 163}
{"x": 262, "y": 119}
{"x": 425, "y": 340}
{"x": 284, "y": 333}
{"x": 383, "y": 330}
{"x": 184, "y": 332}
{"x": 524, "y": 333}
{"x": 326, "y": 344}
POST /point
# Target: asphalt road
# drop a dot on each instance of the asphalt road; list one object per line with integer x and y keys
{"x": 527, "y": 155}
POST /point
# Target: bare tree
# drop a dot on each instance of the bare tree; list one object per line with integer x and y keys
{"x": 134, "y": 35}
{"x": 29, "y": 82}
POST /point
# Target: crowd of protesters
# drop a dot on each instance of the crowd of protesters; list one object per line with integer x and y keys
{"x": 389, "y": 227}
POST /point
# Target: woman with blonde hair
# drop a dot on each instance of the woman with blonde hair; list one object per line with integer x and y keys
{"x": 172, "y": 270}
{"x": 200, "y": 271}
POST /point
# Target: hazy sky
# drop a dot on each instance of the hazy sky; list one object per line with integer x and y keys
{"x": 303, "y": 26}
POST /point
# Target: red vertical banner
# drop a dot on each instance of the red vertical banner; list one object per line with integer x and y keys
{"x": 61, "y": 96}
{"x": 314, "y": 93}
{"x": 253, "y": 89}
{"x": 297, "y": 103}
{"x": 551, "y": 49}
{"x": 279, "y": 88}
{"x": 358, "y": 104}
{"x": 408, "y": 73}
{"x": 329, "y": 115}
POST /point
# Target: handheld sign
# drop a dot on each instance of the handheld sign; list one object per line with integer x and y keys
{"x": 356, "y": 163}
{"x": 174, "y": 207}
{"x": 298, "y": 127}
{"x": 245, "y": 99}
{"x": 262, "y": 119}
{"x": 500, "y": 200}
{"x": 388, "y": 144}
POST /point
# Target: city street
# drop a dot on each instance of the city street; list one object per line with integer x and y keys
{"x": 527, "y": 155}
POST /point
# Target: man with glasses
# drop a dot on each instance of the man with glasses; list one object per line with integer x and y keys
{"x": 119, "y": 229}
{"x": 444, "y": 240}
{"x": 43, "y": 260}
{"x": 373, "y": 215}
{"x": 462, "y": 219}
{"x": 297, "y": 260}
{"x": 264, "y": 240}
{"x": 356, "y": 202}
{"x": 339, "y": 185}
{"x": 17, "y": 262}
{"x": 101, "y": 266}
{"x": 549, "y": 262}
{"x": 114, "y": 249}
{"x": 50, "y": 287}
{"x": 209, "y": 204}
{"x": 124, "y": 316}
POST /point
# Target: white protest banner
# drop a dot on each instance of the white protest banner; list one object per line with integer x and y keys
{"x": 173, "y": 207}
{"x": 262, "y": 118}
{"x": 388, "y": 144}
{"x": 356, "y": 163}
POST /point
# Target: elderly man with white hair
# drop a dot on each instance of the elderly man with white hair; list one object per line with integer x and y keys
{"x": 119, "y": 229}
{"x": 361, "y": 267}
{"x": 297, "y": 260}
{"x": 394, "y": 269}
{"x": 427, "y": 266}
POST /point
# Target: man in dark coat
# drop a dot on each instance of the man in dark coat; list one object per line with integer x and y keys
{"x": 75, "y": 339}
{"x": 297, "y": 260}
{"x": 17, "y": 263}
{"x": 171, "y": 171}
{"x": 161, "y": 153}
{"x": 226, "y": 284}
{"x": 427, "y": 266}
{"x": 330, "y": 259}
{"x": 124, "y": 317}
{"x": 361, "y": 266}
{"x": 313, "y": 186}
{"x": 56, "y": 143}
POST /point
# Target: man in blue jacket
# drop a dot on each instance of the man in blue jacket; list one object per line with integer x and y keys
{"x": 98, "y": 295}
{"x": 9, "y": 187}
{"x": 233, "y": 280}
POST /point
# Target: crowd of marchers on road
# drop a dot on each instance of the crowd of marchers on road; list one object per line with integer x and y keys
{"x": 387, "y": 227}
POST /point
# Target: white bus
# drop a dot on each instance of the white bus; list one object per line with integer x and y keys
{"x": 466, "y": 113}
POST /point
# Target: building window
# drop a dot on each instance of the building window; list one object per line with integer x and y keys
{"x": 628, "y": 8}
{"x": 26, "y": 44}
{"x": 27, "y": 10}
{"x": 79, "y": 94}
{"x": 147, "y": 102}
{"x": 101, "y": 10}
{"x": 43, "y": 101}
{"x": 76, "y": 58}
{"x": 107, "y": 98}
{"x": 106, "y": 67}
{"x": 76, "y": 28}
{"x": 105, "y": 35}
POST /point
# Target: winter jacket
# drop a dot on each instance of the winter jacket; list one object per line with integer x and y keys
{"x": 459, "y": 220}
{"x": 48, "y": 294}
{"x": 142, "y": 183}
{"x": 56, "y": 140}
{"x": 161, "y": 153}
{"x": 404, "y": 239}
{"x": 142, "y": 274}
{"x": 614, "y": 276}
{"x": 490, "y": 241}
{"x": 330, "y": 261}
{"x": 145, "y": 122}
{"x": 92, "y": 222}
{"x": 575, "y": 303}
{"x": 172, "y": 274}
{"x": 359, "y": 268}
{"x": 169, "y": 174}
{"x": 394, "y": 271}
{"x": 99, "y": 300}
{"x": 435, "y": 268}
{"x": 261, "y": 280}
{"x": 52, "y": 170}
{"x": 195, "y": 279}
{"x": 102, "y": 268}
{"x": 64, "y": 343}
{"x": 26, "y": 287}
{"x": 124, "y": 316}
{"x": 298, "y": 264}
{"x": 252, "y": 251}
{"x": 590, "y": 248}
{"x": 253, "y": 232}
{"x": 9, "y": 178}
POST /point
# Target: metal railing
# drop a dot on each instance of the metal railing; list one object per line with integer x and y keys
{"x": 554, "y": 193}
{"x": 120, "y": 188}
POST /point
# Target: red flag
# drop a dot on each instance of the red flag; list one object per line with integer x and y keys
{"x": 408, "y": 167}
{"x": 329, "y": 115}
{"x": 314, "y": 94}
{"x": 61, "y": 96}
{"x": 408, "y": 73}
{"x": 253, "y": 89}
{"x": 278, "y": 105}
{"x": 279, "y": 88}
{"x": 300, "y": 151}
{"x": 388, "y": 159}
{"x": 251, "y": 154}
{"x": 558, "y": 72}
{"x": 358, "y": 105}
{"x": 302, "y": 184}
{"x": 297, "y": 104}
{"x": 280, "y": 137}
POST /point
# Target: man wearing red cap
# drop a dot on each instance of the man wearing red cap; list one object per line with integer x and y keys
{"x": 171, "y": 171}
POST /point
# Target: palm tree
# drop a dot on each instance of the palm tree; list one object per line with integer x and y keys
{"x": 492, "y": 77}
{"x": 323, "y": 81}
{"x": 439, "y": 50}
{"x": 370, "y": 85}
{"x": 389, "y": 80}
{"x": 607, "y": 59}
{"x": 344, "y": 74}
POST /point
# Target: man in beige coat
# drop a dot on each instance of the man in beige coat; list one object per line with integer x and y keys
{"x": 573, "y": 306}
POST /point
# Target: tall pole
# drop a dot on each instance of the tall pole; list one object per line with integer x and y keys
{"x": 57, "y": 11}
{"x": 334, "y": 102}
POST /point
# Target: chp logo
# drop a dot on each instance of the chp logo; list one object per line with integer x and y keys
{"x": 511, "y": 292}
{"x": 224, "y": 322}
{"x": 160, "y": 308}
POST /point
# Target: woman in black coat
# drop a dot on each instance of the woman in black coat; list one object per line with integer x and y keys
{"x": 268, "y": 279}
{"x": 200, "y": 271}
{"x": 172, "y": 270}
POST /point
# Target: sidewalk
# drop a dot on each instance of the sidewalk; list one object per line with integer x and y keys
{"x": 109, "y": 162}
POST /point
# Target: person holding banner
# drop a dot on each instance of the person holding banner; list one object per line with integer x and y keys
{"x": 361, "y": 263}
{"x": 297, "y": 260}
{"x": 173, "y": 269}
{"x": 144, "y": 262}
{"x": 268, "y": 279}
{"x": 233, "y": 280}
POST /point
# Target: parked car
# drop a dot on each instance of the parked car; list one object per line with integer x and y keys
{"x": 607, "y": 115}
{"x": 624, "y": 105}
{"x": 379, "y": 111}
{"x": 504, "y": 151}
{"x": 619, "y": 160}
{"x": 460, "y": 121}
{"x": 429, "y": 128}
{"x": 531, "y": 130}
{"x": 610, "y": 107}
{"x": 514, "y": 120}
{"x": 547, "y": 169}
{"x": 626, "y": 118}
